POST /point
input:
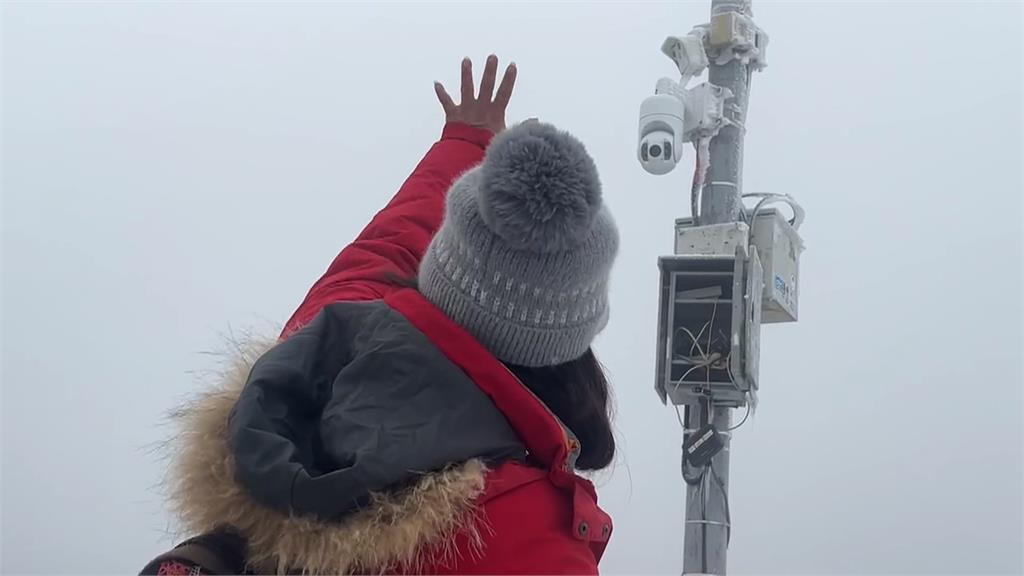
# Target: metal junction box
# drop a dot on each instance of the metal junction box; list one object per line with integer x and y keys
{"x": 709, "y": 322}
{"x": 721, "y": 239}
{"x": 778, "y": 246}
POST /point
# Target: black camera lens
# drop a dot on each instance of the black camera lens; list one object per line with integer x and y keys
{"x": 655, "y": 150}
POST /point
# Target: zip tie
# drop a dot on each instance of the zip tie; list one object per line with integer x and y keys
{"x": 711, "y": 522}
{"x": 723, "y": 183}
{"x": 721, "y": 432}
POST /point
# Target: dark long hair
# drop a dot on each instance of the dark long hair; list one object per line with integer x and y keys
{"x": 577, "y": 392}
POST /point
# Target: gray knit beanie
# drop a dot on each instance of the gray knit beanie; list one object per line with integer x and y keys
{"x": 522, "y": 258}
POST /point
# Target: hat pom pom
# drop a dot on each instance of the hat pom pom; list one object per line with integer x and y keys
{"x": 539, "y": 188}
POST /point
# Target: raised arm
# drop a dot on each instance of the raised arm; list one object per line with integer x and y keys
{"x": 394, "y": 242}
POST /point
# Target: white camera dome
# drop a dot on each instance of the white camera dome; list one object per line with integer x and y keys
{"x": 658, "y": 153}
{"x": 661, "y": 133}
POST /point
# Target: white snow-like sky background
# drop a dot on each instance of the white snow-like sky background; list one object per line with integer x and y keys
{"x": 173, "y": 171}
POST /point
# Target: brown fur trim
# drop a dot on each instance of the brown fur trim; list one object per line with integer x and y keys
{"x": 397, "y": 531}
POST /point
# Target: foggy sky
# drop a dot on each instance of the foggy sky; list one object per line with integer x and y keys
{"x": 173, "y": 172}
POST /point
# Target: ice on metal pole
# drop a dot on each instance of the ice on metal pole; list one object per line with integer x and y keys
{"x": 706, "y": 531}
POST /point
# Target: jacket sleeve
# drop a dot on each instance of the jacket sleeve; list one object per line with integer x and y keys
{"x": 393, "y": 244}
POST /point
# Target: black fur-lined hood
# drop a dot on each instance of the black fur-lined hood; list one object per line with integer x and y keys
{"x": 354, "y": 446}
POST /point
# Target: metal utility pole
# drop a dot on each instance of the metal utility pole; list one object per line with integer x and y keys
{"x": 721, "y": 201}
{"x": 732, "y": 269}
{"x": 706, "y": 534}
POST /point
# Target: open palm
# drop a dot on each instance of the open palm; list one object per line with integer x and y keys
{"x": 485, "y": 109}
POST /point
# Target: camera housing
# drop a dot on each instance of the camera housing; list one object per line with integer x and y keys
{"x": 661, "y": 133}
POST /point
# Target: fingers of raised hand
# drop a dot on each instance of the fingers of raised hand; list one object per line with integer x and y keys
{"x": 508, "y": 83}
{"x": 487, "y": 83}
{"x": 467, "y": 81}
{"x": 446, "y": 101}
{"x": 486, "y": 108}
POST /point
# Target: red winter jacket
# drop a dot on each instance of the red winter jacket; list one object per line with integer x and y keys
{"x": 379, "y": 436}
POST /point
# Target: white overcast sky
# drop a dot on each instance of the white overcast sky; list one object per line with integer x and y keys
{"x": 172, "y": 171}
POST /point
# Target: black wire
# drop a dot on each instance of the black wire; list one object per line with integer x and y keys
{"x": 745, "y": 416}
{"x": 691, "y": 480}
{"x": 725, "y": 499}
{"x": 699, "y": 481}
{"x": 703, "y": 531}
{"x": 695, "y": 190}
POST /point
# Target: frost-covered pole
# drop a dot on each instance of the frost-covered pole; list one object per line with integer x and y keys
{"x": 707, "y": 532}
{"x": 721, "y": 195}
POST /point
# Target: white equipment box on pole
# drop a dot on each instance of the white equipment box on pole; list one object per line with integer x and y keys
{"x": 778, "y": 245}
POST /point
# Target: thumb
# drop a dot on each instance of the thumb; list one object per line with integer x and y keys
{"x": 446, "y": 101}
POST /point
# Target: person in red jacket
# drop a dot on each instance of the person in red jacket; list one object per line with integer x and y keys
{"x": 429, "y": 405}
